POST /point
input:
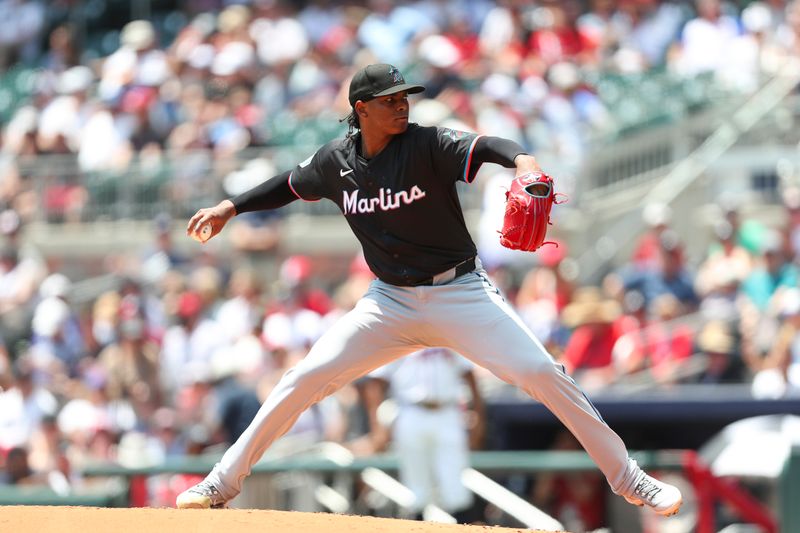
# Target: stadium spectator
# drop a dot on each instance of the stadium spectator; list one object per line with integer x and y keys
{"x": 757, "y": 57}
{"x": 717, "y": 343}
{"x": 63, "y": 50}
{"x": 780, "y": 373}
{"x": 544, "y": 293}
{"x": 62, "y": 119}
{"x": 21, "y": 23}
{"x": 190, "y": 344}
{"x": 669, "y": 276}
{"x": 555, "y": 37}
{"x": 19, "y": 281}
{"x": 788, "y": 32}
{"x": 772, "y": 272}
{"x": 57, "y": 344}
{"x": 706, "y": 39}
{"x": 595, "y": 321}
{"x": 749, "y": 232}
{"x": 255, "y": 236}
{"x": 24, "y": 404}
{"x": 162, "y": 256}
{"x": 46, "y": 455}
{"x": 243, "y": 307}
{"x": 295, "y": 320}
{"x": 791, "y": 228}
{"x": 233, "y": 404}
{"x": 17, "y": 471}
{"x": 388, "y": 30}
{"x": 600, "y": 32}
{"x": 726, "y": 262}
{"x": 657, "y": 218}
{"x": 276, "y": 22}
{"x": 207, "y": 281}
{"x": 501, "y": 35}
{"x": 132, "y": 367}
{"x": 668, "y": 343}
{"x": 628, "y": 353}
{"x": 649, "y": 29}
{"x": 58, "y": 286}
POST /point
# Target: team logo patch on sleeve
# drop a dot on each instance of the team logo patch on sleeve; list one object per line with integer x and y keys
{"x": 454, "y": 134}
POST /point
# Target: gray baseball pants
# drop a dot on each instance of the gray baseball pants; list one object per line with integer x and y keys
{"x": 466, "y": 314}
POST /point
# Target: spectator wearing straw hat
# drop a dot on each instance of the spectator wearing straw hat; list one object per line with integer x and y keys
{"x": 717, "y": 342}
{"x": 596, "y": 328}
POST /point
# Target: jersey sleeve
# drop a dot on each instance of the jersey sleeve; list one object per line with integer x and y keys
{"x": 307, "y": 180}
{"x": 452, "y": 154}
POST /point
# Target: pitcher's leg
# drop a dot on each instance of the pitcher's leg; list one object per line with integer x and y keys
{"x": 507, "y": 348}
{"x": 500, "y": 342}
{"x": 358, "y": 343}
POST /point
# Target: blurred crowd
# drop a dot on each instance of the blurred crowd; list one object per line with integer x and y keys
{"x": 223, "y": 76}
{"x": 176, "y": 357}
{"x": 179, "y": 363}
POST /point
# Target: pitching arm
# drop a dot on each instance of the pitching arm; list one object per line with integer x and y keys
{"x": 273, "y": 193}
{"x": 503, "y": 152}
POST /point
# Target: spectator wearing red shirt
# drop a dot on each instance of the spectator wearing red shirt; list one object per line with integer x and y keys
{"x": 557, "y": 37}
{"x": 657, "y": 217}
{"x": 596, "y": 325}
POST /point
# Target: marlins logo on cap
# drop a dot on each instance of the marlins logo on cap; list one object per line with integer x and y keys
{"x": 379, "y": 80}
{"x": 396, "y": 76}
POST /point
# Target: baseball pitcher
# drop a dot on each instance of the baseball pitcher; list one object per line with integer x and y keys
{"x": 395, "y": 183}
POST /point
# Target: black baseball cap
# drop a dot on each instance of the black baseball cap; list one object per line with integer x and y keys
{"x": 379, "y": 80}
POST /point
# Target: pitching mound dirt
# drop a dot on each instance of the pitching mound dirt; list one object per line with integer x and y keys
{"x": 21, "y": 519}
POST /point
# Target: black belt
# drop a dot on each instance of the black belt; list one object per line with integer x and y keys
{"x": 462, "y": 268}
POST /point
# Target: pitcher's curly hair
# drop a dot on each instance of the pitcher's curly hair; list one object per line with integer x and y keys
{"x": 353, "y": 125}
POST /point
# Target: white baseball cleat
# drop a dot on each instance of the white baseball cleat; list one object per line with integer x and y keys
{"x": 204, "y": 495}
{"x": 663, "y": 498}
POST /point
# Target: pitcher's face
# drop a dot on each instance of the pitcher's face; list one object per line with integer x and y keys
{"x": 386, "y": 113}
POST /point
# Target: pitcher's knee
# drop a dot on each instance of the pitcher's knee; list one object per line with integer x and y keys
{"x": 537, "y": 372}
{"x": 304, "y": 382}
{"x": 313, "y": 383}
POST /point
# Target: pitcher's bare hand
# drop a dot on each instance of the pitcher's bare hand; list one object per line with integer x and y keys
{"x": 214, "y": 217}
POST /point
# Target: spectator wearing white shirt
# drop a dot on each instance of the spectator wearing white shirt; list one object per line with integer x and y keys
{"x": 22, "y": 407}
{"x": 706, "y": 39}
{"x": 191, "y": 343}
{"x": 21, "y": 23}
{"x": 243, "y": 307}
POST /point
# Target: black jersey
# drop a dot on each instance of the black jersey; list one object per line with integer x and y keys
{"x": 402, "y": 204}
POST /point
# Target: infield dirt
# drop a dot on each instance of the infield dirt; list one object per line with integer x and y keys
{"x": 22, "y": 519}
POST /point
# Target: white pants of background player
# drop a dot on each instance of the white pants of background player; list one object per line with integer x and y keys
{"x": 433, "y": 450}
{"x": 466, "y": 314}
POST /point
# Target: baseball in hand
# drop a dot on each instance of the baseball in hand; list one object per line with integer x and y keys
{"x": 203, "y": 234}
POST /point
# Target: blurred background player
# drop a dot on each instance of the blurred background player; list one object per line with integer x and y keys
{"x": 432, "y": 432}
